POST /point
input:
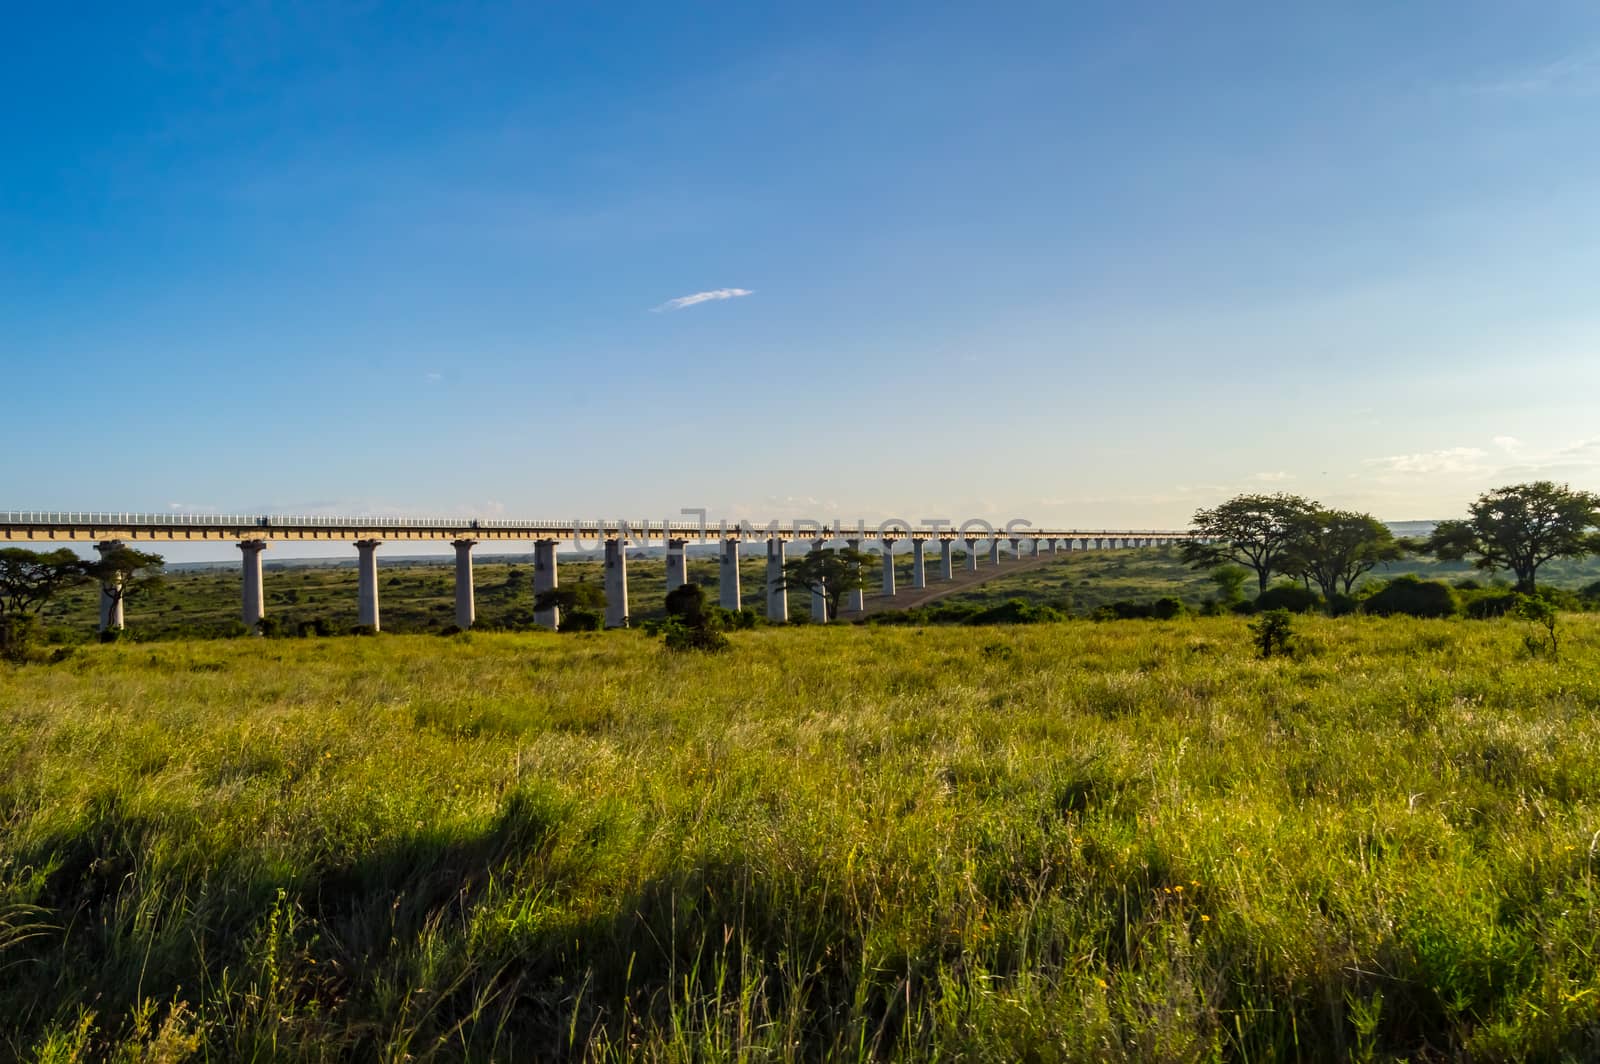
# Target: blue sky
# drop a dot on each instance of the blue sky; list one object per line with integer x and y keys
{"x": 1086, "y": 263}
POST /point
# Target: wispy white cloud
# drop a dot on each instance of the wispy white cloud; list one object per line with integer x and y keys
{"x": 1573, "y": 74}
{"x": 1431, "y": 463}
{"x": 703, "y": 297}
{"x": 1272, "y": 478}
{"x": 433, "y": 378}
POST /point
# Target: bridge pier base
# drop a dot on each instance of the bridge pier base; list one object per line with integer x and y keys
{"x": 110, "y": 597}
{"x": 819, "y": 599}
{"x": 367, "y": 582}
{"x": 856, "y": 601}
{"x": 728, "y": 577}
{"x": 545, "y": 578}
{"x": 466, "y": 604}
{"x": 677, "y": 564}
{"x": 251, "y": 583}
{"x": 777, "y": 593}
{"x": 616, "y": 583}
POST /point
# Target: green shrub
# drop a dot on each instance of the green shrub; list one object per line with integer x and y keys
{"x": 1291, "y": 597}
{"x": 580, "y": 619}
{"x": 680, "y": 638}
{"x": 1168, "y": 608}
{"x": 1273, "y": 633}
{"x": 1412, "y": 597}
{"x": 1484, "y": 605}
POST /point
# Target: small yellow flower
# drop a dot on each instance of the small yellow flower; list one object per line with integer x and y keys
{"x": 1101, "y": 983}
{"x": 1178, "y": 888}
{"x": 1204, "y": 919}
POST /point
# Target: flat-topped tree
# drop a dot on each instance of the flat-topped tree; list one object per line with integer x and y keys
{"x": 833, "y": 574}
{"x": 1335, "y": 548}
{"x": 120, "y": 569}
{"x": 28, "y": 580}
{"x": 1255, "y": 531}
{"x": 1521, "y": 527}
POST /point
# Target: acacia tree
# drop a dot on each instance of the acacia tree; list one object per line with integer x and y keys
{"x": 1521, "y": 527}
{"x": 28, "y": 580}
{"x": 1335, "y": 548}
{"x": 120, "y": 569}
{"x": 1255, "y": 531}
{"x": 833, "y": 574}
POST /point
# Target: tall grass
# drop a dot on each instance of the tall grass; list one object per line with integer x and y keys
{"x": 1127, "y": 841}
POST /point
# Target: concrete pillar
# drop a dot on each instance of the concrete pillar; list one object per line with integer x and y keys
{"x": 947, "y": 561}
{"x": 888, "y": 568}
{"x": 919, "y": 564}
{"x": 728, "y": 583}
{"x": 466, "y": 605}
{"x": 1033, "y": 549}
{"x": 110, "y": 604}
{"x": 616, "y": 583}
{"x": 367, "y": 582}
{"x": 1016, "y": 550}
{"x": 254, "y": 599}
{"x": 777, "y": 593}
{"x": 545, "y": 578}
{"x": 994, "y": 551}
{"x": 1055, "y": 545}
{"x": 819, "y": 600}
{"x": 677, "y": 564}
{"x": 972, "y": 555}
{"x": 856, "y": 600}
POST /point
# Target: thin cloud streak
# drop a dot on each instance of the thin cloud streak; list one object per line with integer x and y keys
{"x": 703, "y": 297}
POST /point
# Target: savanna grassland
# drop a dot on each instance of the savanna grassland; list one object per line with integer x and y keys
{"x": 1120, "y": 841}
{"x": 420, "y": 596}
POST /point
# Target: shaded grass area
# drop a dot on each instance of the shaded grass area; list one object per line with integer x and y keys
{"x": 1072, "y": 841}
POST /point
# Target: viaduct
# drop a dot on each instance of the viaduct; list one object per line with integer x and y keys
{"x": 254, "y": 532}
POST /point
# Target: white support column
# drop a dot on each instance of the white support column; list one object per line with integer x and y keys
{"x": 777, "y": 593}
{"x": 856, "y": 600}
{"x": 616, "y": 583}
{"x": 110, "y": 603}
{"x": 919, "y": 563}
{"x": 367, "y": 582}
{"x": 728, "y": 584}
{"x": 1033, "y": 548}
{"x": 972, "y": 555}
{"x": 819, "y": 599}
{"x": 545, "y": 578}
{"x": 947, "y": 567}
{"x": 1016, "y": 550}
{"x": 888, "y": 568}
{"x": 254, "y": 599}
{"x": 466, "y": 605}
{"x": 994, "y": 550}
{"x": 677, "y": 564}
{"x": 1055, "y": 545}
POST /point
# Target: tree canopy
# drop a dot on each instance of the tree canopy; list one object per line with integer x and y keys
{"x": 29, "y": 579}
{"x": 1255, "y": 531}
{"x": 1520, "y": 527}
{"x": 1334, "y": 548}
{"x": 831, "y": 573}
{"x": 121, "y": 569}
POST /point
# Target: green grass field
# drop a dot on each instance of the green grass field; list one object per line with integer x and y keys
{"x": 1122, "y": 841}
